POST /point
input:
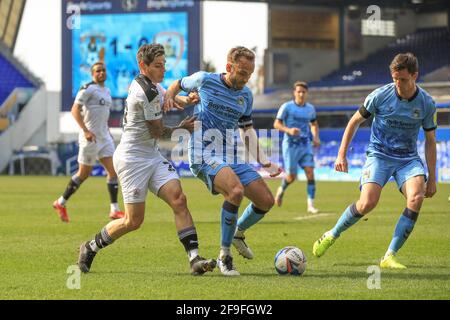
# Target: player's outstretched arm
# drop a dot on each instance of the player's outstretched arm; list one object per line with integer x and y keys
{"x": 171, "y": 96}
{"x": 183, "y": 101}
{"x": 253, "y": 147}
{"x": 430, "y": 155}
{"x": 159, "y": 131}
{"x": 341, "y": 164}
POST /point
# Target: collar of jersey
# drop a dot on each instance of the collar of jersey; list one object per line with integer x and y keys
{"x": 222, "y": 78}
{"x": 410, "y": 99}
{"x": 299, "y": 105}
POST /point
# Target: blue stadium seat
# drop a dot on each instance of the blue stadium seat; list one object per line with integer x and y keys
{"x": 11, "y": 78}
{"x": 431, "y": 46}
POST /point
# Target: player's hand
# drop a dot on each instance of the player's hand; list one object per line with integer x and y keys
{"x": 293, "y": 132}
{"x": 188, "y": 124}
{"x": 431, "y": 189}
{"x": 341, "y": 164}
{"x": 273, "y": 169}
{"x": 90, "y": 137}
{"x": 170, "y": 103}
{"x": 193, "y": 98}
{"x": 317, "y": 143}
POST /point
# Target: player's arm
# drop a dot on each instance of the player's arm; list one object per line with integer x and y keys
{"x": 315, "y": 132}
{"x": 183, "y": 101}
{"x": 253, "y": 147}
{"x": 177, "y": 101}
{"x": 430, "y": 155}
{"x": 279, "y": 125}
{"x": 189, "y": 84}
{"x": 359, "y": 117}
{"x": 159, "y": 131}
{"x": 170, "y": 97}
{"x": 76, "y": 113}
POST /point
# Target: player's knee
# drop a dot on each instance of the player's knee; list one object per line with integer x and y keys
{"x": 179, "y": 203}
{"x": 416, "y": 199}
{"x": 268, "y": 202}
{"x": 236, "y": 195}
{"x": 133, "y": 224}
{"x": 366, "y": 206}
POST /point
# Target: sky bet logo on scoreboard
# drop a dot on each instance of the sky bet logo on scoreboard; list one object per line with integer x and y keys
{"x": 169, "y": 4}
{"x": 128, "y": 5}
{"x": 91, "y": 6}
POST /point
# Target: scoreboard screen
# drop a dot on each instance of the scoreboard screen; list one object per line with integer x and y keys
{"x": 113, "y": 31}
{"x": 110, "y": 38}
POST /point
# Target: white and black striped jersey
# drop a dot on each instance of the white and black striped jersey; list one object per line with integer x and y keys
{"x": 144, "y": 103}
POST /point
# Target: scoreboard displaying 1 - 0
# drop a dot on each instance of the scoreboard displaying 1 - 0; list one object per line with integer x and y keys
{"x": 112, "y": 32}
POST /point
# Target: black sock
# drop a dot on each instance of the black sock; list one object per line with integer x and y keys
{"x": 113, "y": 188}
{"x": 72, "y": 187}
{"x": 189, "y": 239}
{"x": 103, "y": 239}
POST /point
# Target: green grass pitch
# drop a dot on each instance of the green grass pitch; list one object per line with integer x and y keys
{"x": 37, "y": 249}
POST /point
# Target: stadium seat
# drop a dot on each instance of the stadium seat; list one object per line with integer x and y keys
{"x": 10, "y": 78}
{"x": 431, "y": 46}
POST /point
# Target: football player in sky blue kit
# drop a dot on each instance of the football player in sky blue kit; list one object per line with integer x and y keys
{"x": 399, "y": 110}
{"x": 297, "y": 119}
{"x": 226, "y": 104}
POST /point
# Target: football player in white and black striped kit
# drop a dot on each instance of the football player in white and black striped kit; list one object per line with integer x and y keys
{"x": 141, "y": 167}
{"x": 91, "y": 111}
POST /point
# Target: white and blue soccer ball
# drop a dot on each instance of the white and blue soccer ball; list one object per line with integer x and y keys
{"x": 290, "y": 260}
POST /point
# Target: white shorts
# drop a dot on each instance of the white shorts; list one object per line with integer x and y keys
{"x": 139, "y": 175}
{"x": 90, "y": 152}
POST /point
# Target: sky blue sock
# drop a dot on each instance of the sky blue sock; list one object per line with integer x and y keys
{"x": 348, "y": 218}
{"x": 250, "y": 217}
{"x": 403, "y": 229}
{"x": 311, "y": 190}
{"x": 228, "y": 223}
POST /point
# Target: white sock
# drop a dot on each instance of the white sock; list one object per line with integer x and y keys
{"x": 115, "y": 207}
{"x": 239, "y": 233}
{"x": 310, "y": 203}
{"x": 192, "y": 254}
{"x": 389, "y": 253}
{"x": 62, "y": 201}
{"x": 225, "y": 252}
{"x": 94, "y": 246}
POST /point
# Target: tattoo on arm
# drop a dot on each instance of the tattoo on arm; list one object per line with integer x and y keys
{"x": 167, "y": 132}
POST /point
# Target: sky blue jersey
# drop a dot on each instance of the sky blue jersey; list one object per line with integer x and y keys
{"x": 397, "y": 121}
{"x": 295, "y": 116}
{"x": 221, "y": 108}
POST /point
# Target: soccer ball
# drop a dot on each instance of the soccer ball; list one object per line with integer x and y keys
{"x": 290, "y": 260}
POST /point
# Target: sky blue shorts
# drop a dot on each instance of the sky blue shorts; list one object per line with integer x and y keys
{"x": 297, "y": 156}
{"x": 379, "y": 171}
{"x": 207, "y": 173}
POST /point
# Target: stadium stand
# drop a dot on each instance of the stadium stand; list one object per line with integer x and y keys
{"x": 16, "y": 87}
{"x": 11, "y": 78}
{"x": 430, "y": 45}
